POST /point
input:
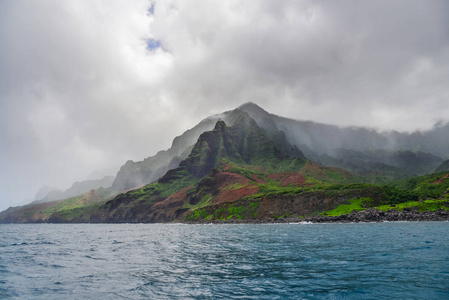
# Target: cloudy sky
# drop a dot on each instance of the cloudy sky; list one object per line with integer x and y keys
{"x": 87, "y": 85}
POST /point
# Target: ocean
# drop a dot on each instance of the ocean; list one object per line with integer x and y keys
{"x": 403, "y": 260}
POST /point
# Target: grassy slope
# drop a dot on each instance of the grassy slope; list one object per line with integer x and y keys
{"x": 430, "y": 192}
{"x": 67, "y": 209}
{"x": 424, "y": 193}
{"x": 273, "y": 179}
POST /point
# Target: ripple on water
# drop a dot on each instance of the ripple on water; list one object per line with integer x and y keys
{"x": 284, "y": 261}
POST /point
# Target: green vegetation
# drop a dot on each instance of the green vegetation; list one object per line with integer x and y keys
{"x": 424, "y": 193}
{"x": 199, "y": 214}
{"x": 394, "y": 195}
{"x": 433, "y": 186}
{"x": 246, "y": 171}
{"x": 234, "y": 186}
{"x": 426, "y": 205}
{"x": 225, "y": 212}
{"x": 62, "y": 207}
{"x": 205, "y": 201}
{"x": 357, "y": 204}
{"x": 278, "y": 165}
{"x": 81, "y": 213}
{"x": 70, "y": 208}
{"x": 272, "y": 190}
{"x": 267, "y": 176}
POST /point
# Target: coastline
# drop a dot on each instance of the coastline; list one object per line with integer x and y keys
{"x": 371, "y": 215}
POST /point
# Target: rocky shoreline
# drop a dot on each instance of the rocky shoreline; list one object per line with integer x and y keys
{"x": 365, "y": 216}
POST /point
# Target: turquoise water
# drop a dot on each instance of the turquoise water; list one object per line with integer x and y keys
{"x": 273, "y": 261}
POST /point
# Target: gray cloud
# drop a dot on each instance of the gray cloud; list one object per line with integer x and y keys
{"x": 81, "y": 91}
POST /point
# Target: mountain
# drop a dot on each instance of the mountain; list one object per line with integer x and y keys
{"x": 44, "y": 191}
{"x": 366, "y": 152}
{"x": 377, "y": 157}
{"x": 375, "y": 164}
{"x": 54, "y": 211}
{"x": 243, "y": 144}
{"x": 322, "y": 138}
{"x": 237, "y": 173}
{"x": 77, "y": 188}
{"x": 136, "y": 174}
{"x": 246, "y": 167}
{"x": 225, "y": 165}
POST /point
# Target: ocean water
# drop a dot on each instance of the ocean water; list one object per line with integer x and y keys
{"x": 270, "y": 261}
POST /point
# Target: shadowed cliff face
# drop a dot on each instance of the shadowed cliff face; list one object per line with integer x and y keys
{"x": 211, "y": 147}
{"x": 135, "y": 174}
{"x": 243, "y": 143}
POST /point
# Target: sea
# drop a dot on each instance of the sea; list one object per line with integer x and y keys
{"x": 397, "y": 260}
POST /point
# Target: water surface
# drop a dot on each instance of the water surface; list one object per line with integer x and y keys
{"x": 272, "y": 261}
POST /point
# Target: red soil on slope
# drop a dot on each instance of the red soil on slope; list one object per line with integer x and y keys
{"x": 287, "y": 178}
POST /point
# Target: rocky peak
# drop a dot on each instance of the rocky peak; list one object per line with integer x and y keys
{"x": 220, "y": 125}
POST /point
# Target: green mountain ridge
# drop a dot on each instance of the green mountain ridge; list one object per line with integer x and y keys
{"x": 376, "y": 156}
{"x": 244, "y": 171}
{"x": 318, "y": 142}
{"x": 244, "y": 143}
{"x": 239, "y": 152}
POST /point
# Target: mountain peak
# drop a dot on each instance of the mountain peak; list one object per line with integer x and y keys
{"x": 250, "y": 106}
{"x": 220, "y": 125}
{"x": 254, "y": 111}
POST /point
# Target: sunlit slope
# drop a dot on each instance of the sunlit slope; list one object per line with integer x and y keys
{"x": 75, "y": 209}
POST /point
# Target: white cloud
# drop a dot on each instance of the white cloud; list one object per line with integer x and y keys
{"x": 80, "y": 90}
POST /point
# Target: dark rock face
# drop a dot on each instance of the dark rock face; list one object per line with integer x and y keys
{"x": 135, "y": 174}
{"x": 375, "y": 215}
{"x": 366, "y": 216}
{"x": 211, "y": 147}
{"x": 311, "y": 202}
{"x": 243, "y": 142}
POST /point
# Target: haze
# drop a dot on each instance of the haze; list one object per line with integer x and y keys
{"x": 87, "y": 85}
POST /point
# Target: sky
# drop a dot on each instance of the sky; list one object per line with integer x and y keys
{"x": 86, "y": 85}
